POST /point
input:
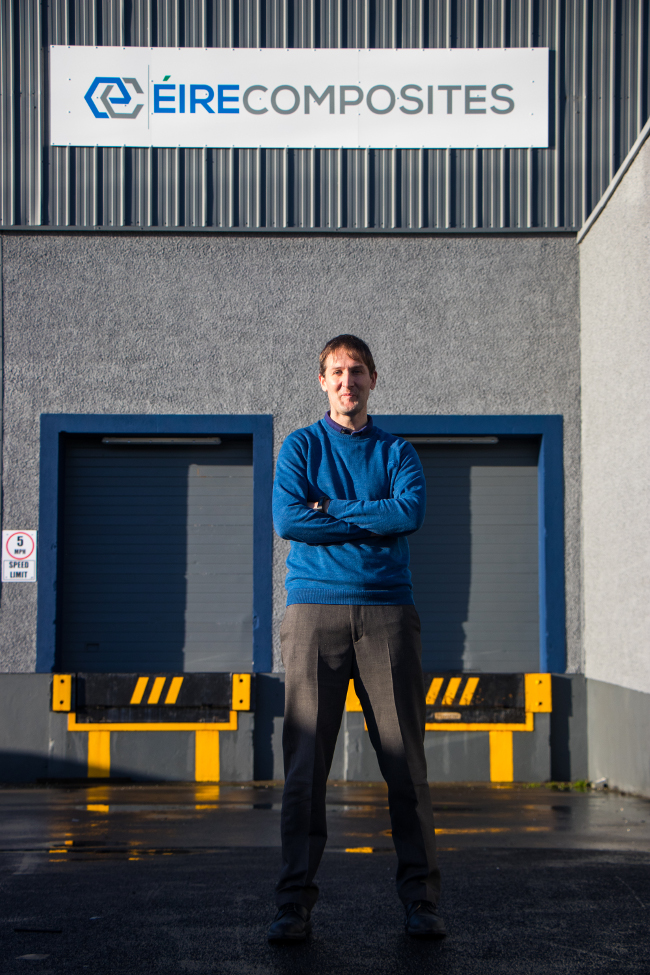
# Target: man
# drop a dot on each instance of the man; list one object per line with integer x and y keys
{"x": 347, "y": 494}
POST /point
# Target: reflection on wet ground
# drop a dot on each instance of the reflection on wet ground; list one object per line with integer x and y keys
{"x": 200, "y": 817}
{"x": 120, "y": 879}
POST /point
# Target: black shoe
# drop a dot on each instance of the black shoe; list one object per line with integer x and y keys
{"x": 422, "y": 920}
{"x": 291, "y": 923}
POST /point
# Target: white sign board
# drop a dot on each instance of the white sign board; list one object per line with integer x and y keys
{"x": 19, "y": 556}
{"x": 276, "y": 98}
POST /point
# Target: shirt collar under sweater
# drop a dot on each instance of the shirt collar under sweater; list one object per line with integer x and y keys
{"x": 341, "y": 429}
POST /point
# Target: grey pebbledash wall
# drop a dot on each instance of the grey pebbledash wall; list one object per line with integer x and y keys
{"x": 165, "y": 324}
{"x": 615, "y": 358}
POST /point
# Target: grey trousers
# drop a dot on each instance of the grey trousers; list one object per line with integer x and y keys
{"x": 323, "y": 647}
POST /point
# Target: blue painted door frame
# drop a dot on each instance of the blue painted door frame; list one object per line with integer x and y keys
{"x": 55, "y": 425}
{"x": 549, "y": 428}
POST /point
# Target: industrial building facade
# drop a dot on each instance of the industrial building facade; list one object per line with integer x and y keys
{"x": 162, "y": 312}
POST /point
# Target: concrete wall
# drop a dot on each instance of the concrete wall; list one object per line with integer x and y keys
{"x": 35, "y": 742}
{"x": 208, "y": 324}
{"x": 569, "y": 742}
{"x": 615, "y": 364}
{"x": 618, "y": 722}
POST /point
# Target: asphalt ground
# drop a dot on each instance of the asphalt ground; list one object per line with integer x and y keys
{"x": 179, "y": 878}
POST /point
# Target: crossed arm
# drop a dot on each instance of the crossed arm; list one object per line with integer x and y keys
{"x": 296, "y": 518}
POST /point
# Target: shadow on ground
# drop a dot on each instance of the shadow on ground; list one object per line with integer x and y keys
{"x": 508, "y": 911}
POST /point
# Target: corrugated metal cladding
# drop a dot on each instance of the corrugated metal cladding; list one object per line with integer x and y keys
{"x": 157, "y": 558}
{"x": 599, "y": 98}
{"x": 474, "y": 562}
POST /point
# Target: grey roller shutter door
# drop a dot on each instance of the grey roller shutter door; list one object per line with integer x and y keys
{"x": 475, "y": 560}
{"x": 157, "y": 566}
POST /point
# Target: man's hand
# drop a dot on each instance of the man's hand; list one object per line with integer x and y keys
{"x": 314, "y": 504}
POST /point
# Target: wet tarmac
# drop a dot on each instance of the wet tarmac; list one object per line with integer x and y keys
{"x": 179, "y": 878}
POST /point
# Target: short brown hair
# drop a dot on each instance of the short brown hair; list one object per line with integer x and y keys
{"x": 355, "y": 347}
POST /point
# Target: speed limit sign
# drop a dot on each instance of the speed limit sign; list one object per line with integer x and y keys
{"x": 19, "y": 556}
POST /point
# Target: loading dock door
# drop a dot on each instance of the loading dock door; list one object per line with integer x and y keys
{"x": 157, "y": 563}
{"x": 475, "y": 560}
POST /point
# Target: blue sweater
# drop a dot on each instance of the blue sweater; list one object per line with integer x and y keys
{"x": 356, "y": 554}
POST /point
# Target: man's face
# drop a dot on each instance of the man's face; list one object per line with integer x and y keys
{"x": 347, "y": 383}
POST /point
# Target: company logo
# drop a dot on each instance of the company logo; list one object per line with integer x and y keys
{"x": 124, "y": 98}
